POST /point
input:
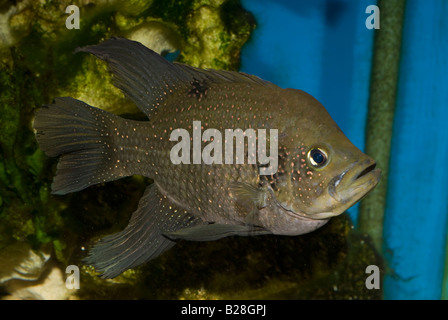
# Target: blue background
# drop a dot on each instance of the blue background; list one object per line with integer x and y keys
{"x": 324, "y": 48}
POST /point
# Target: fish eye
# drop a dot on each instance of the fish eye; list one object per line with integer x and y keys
{"x": 317, "y": 157}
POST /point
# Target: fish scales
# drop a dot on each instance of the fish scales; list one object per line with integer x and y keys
{"x": 151, "y": 158}
{"x": 300, "y": 170}
{"x": 215, "y": 109}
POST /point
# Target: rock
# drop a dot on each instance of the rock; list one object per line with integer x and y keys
{"x": 20, "y": 262}
{"x": 6, "y": 38}
{"x": 50, "y": 287}
{"x": 218, "y": 30}
{"x": 26, "y": 274}
{"x": 157, "y": 36}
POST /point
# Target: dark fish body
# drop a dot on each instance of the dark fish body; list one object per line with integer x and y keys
{"x": 319, "y": 172}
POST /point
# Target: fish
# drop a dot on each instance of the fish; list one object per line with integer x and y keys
{"x": 312, "y": 173}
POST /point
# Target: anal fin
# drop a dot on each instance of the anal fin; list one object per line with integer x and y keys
{"x": 142, "y": 240}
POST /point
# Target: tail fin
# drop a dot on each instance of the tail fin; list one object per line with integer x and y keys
{"x": 81, "y": 134}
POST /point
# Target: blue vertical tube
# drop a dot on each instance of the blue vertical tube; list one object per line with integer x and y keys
{"x": 415, "y": 229}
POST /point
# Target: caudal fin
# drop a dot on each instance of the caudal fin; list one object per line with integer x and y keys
{"x": 80, "y": 134}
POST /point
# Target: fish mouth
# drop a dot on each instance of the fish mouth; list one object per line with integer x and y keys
{"x": 347, "y": 188}
{"x": 355, "y": 182}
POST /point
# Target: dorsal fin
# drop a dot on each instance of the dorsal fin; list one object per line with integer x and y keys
{"x": 220, "y": 76}
{"x": 142, "y": 74}
{"x": 146, "y": 77}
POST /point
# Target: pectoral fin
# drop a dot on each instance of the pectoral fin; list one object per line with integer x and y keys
{"x": 249, "y": 198}
{"x": 215, "y": 231}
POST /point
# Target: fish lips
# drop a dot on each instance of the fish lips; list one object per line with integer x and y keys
{"x": 355, "y": 182}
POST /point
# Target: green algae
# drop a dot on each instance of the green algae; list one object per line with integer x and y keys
{"x": 28, "y": 213}
{"x": 16, "y": 144}
{"x": 329, "y": 263}
{"x": 383, "y": 89}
